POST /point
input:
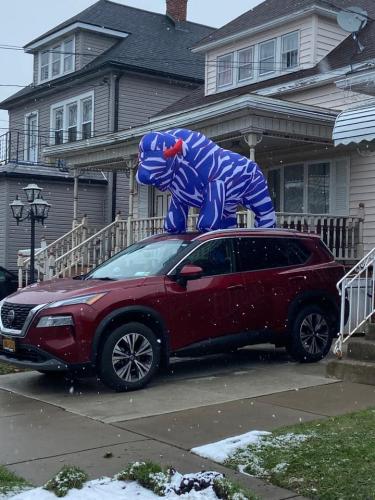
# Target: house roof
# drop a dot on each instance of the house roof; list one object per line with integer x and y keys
{"x": 271, "y": 10}
{"x": 155, "y": 43}
{"x": 346, "y": 54}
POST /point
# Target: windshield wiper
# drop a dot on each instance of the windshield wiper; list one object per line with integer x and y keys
{"x": 105, "y": 278}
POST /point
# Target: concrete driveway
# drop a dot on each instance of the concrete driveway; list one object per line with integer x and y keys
{"x": 192, "y": 383}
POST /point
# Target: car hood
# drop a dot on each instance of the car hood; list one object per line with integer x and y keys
{"x": 59, "y": 289}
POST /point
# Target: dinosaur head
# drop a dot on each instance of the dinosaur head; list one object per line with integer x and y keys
{"x": 157, "y": 156}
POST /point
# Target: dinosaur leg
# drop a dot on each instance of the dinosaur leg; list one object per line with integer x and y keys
{"x": 259, "y": 201}
{"x": 176, "y": 219}
{"x": 211, "y": 214}
{"x": 229, "y": 220}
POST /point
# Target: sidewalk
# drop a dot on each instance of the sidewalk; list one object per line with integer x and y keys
{"x": 37, "y": 439}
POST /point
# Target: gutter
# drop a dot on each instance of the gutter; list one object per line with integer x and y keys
{"x": 241, "y": 103}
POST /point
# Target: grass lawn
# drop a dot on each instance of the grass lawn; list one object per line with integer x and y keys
{"x": 327, "y": 459}
{"x": 6, "y": 369}
{"x": 9, "y": 481}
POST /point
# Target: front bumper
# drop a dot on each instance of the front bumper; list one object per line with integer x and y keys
{"x": 30, "y": 357}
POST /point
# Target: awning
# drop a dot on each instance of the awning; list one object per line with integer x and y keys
{"x": 355, "y": 125}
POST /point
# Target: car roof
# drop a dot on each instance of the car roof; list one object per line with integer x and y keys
{"x": 236, "y": 232}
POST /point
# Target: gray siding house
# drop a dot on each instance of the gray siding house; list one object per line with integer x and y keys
{"x": 109, "y": 68}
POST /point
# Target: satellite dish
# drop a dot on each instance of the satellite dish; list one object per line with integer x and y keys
{"x": 353, "y": 19}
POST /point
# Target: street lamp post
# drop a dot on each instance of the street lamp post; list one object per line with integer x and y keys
{"x": 37, "y": 211}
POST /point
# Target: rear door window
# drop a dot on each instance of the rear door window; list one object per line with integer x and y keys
{"x": 215, "y": 257}
{"x": 268, "y": 253}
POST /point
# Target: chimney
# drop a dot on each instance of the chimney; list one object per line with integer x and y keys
{"x": 177, "y": 10}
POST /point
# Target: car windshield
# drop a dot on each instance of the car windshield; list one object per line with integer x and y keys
{"x": 141, "y": 259}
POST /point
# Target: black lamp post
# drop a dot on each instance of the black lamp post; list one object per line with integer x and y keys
{"x": 37, "y": 211}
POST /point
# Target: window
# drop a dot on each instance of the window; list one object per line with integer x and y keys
{"x": 245, "y": 64}
{"x": 59, "y": 125}
{"x": 225, "y": 70}
{"x": 72, "y": 120}
{"x": 57, "y": 60}
{"x": 268, "y": 253}
{"x": 86, "y": 118}
{"x": 267, "y": 52}
{"x": 289, "y": 50}
{"x": 312, "y": 187}
{"x": 44, "y": 66}
{"x": 31, "y": 137}
{"x": 214, "y": 257}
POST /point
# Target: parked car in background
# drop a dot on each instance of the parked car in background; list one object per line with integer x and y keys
{"x": 177, "y": 294}
{"x": 8, "y": 282}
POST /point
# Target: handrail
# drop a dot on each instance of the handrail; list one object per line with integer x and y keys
{"x": 361, "y": 305}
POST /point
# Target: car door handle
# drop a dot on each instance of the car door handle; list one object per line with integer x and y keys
{"x": 239, "y": 286}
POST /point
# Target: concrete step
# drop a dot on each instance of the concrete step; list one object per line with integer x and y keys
{"x": 352, "y": 370}
{"x": 362, "y": 349}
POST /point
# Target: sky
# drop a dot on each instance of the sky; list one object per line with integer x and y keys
{"x": 23, "y": 20}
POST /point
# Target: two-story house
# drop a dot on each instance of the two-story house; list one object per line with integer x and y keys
{"x": 276, "y": 79}
{"x": 111, "y": 67}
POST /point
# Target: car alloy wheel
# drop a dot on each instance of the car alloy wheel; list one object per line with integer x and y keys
{"x": 132, "y": 357}
{"x": 314, "y": 333}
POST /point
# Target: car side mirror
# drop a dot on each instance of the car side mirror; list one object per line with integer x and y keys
{"x": 190, "y": 272}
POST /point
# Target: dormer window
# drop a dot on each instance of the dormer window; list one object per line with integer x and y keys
{"x": 57, "y": 60}
{"x": 289, "y": 50}
{"x": 267, "y": 56}
{"x": 225, "y": 70}
{"x": 245, "y": 64}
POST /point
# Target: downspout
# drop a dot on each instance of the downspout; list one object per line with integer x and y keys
{"x": 115, "y": 94}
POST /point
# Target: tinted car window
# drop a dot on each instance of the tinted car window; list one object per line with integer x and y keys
{"x": 214, "y": 257}
{"x": 267, "y": 253}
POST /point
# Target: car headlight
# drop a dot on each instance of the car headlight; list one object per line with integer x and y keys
{"x": 83, "y": 299}
{"x": 48, "y": 321}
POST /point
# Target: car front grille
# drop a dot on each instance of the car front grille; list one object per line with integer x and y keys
{"x": 16, "y": 319}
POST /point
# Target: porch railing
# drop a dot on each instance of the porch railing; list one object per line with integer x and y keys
{"x": 22, "y": 148}
{"x": 81, "y": 250}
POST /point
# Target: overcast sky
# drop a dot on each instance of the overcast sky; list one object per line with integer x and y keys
{"x": 23, "y": 20}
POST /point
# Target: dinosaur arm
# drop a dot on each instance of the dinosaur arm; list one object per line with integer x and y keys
{"x": 211, "y": 213}
{"x": 176, "y": 219}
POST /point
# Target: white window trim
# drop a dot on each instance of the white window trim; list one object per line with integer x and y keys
{"x": 257, "y": 77}
{"x": 287, "y": 70}
{"x": 237, "y": 64}
{"x": 275, "y": 52}
{"x": 64, "y": 104}
{"x": 305, "y": 165}
{"x": 26, "y": 140}
{"x": 49, "y": 49}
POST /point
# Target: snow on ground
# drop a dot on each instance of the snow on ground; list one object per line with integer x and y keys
{"x": 110, "y": 489}
{"x": 221, "y": 450}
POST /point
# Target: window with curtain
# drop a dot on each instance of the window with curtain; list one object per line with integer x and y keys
{"x": 86, "y": 118}
{"x": 225, "y": 70}
{"x": 73, "y": 120}
{"x": 59, "y": 125}
{"x": 57, "y": 60}
{"x": 245, "y": 64}
{"x": 289, "y": 50}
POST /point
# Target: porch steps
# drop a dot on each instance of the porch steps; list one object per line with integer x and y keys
{"x": 359, "y": 365}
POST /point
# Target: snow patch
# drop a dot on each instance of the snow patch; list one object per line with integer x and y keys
{"x": 222, "y": 450}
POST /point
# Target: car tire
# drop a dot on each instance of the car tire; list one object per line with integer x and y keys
{"x": 311, "y": 335}
{"x": 130, "y": 357}
{"x": 54, "y": 373}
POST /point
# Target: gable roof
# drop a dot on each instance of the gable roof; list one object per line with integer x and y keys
{"x": 271, "y": 10}
{"x": 155, "y": 44}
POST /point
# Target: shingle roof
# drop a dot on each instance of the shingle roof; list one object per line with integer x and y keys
{"x": 269, "y": 10}
{"x": 154, "y": 43}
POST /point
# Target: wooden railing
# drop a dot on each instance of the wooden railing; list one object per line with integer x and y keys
{"x": 79, "y": 251}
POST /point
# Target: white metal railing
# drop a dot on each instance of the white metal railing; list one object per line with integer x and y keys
{"x": 343, "y": 235}
{"x": 357, "y": 299}
{"x": 45, "y": 256}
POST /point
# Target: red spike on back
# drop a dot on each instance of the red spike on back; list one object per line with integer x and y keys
{"x": 174, "y": 150}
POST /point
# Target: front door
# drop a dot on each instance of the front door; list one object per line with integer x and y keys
{"x": 31, "y": 138}
{"x": 208, "y": 307}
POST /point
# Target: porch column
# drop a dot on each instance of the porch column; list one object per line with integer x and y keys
{"x": 252, "y": 139}
{"x": 131, "y": 165}
{"x": 75, "y": 197}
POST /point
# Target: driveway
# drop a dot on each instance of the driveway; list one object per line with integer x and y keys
{"x": 192, "y": 383}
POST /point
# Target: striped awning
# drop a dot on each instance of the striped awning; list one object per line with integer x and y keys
{"x": 355, "y": 125}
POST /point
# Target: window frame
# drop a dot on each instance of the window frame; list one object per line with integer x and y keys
{"x": 232, "y": 56}
{"x": 285, "y": 68}
{"x": 51, "y": 51}
{"x": 261, "y": 44}
{"x": 29, "y": 115}
{"x": 78, "y": 100}
{"x": 252, "y": 63}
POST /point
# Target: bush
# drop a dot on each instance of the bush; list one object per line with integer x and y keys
{"x": 226, "y": 490}
{"x": 148, "y": 475}
{"x": 68, "y": 478}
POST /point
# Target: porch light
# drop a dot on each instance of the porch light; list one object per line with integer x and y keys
{"x": 40, "y": 208}
{"x": 32, "y": 191}
{"x": 17, "y": 209}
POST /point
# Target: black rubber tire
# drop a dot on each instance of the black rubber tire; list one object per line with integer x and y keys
{"x": 299, "y": 349}
{"x": 54, "y": 373}
{"x": 106, "y": 369}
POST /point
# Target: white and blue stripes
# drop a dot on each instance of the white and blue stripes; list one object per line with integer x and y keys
{"x": 205, "y": 176}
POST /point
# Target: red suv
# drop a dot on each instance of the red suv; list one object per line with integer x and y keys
{"x": 177, "y": 295}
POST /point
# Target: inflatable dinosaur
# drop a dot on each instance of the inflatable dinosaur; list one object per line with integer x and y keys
{"x": 199, "y": 173}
